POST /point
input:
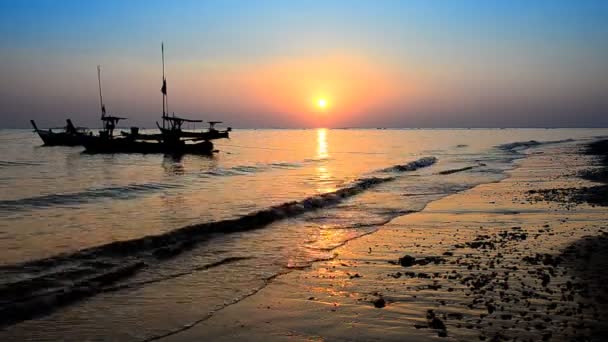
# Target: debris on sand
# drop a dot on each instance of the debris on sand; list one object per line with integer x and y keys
{"x": 379, "y": 302}
{"x": 569, "y": 197}
{"x": 435, "y": 323}
{"x": 408, "y": 260}
{"x": 545, "y": 259}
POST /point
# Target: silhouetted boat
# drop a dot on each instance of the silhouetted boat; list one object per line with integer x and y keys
{"x": 172, "y": 139}
{"x": 175, "y": 123}
{"x": 105, "y": 142}
{"x": 128, "y": 145}
{"x": 69, "y": 136}
{"x": 175, "y": 128}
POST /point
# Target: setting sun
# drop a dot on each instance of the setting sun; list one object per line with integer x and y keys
{"x": 322, "y": 103}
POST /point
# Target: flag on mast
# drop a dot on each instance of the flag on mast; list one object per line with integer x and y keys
{"x": 103, "y": 107}
{"x": 163, "y": 89}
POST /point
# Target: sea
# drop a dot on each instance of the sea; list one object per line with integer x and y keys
{"x": 136, "y": 247}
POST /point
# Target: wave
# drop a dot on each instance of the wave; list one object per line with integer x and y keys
{"x": 219, "y": 172}
{"x": 88, "y": 195}
{"x": 522, "y": 145}
{"x": 316, "y": 160}
{"x": 247, "y": 168}
{"x": 240, "y": 170}
{"x": 412, "y": 166}
{"x": 34, "y": 288}
{"x": 285, "y": 165}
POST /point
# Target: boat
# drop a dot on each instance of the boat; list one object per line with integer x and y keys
{"x": 175, "y": 128}
{"x": 69, "y": 135}
{"x": 172, "y": 139}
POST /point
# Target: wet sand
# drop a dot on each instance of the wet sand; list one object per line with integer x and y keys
{"x": 497, "y": 262}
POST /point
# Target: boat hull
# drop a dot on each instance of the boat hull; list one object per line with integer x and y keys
{"x": 167, "y": 134}
{"x": 96, "y": 145}
{"x": 70, "y": 137}
{"x": 59, "y": 139}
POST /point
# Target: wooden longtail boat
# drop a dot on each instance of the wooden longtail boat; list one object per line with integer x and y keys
{"x": 68, "y": 136}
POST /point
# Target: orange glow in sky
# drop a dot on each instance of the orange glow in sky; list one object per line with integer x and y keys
{"x": 330, "y": 91}
{"x": 339, "y": 87}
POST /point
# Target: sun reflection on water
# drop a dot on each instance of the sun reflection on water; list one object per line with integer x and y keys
{"x": 322, "y": 151}
{"x": 324, "y": 176}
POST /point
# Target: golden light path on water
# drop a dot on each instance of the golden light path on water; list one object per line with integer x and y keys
{"x": 323, "y": 173}
{"x": 326, "y": 235}
{"x": 322, "y": 151}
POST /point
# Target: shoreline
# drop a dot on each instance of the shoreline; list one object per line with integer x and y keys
{"x": 493, "y": 269}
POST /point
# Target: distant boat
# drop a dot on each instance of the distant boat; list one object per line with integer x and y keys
{"x": 175, "y": 123}
{"x": 175, "y": 128}
{"x": 68, "y": 136}
{"x": 172, "y": 139}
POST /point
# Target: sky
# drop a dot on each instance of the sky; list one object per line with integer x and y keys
{"x": 384, "y": 63}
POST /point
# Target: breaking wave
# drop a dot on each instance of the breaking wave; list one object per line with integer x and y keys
{"x": 413, "y": 166}
{"x": 522, "y": 145}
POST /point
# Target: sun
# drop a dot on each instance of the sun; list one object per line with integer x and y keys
{"x": 322, "y": 103}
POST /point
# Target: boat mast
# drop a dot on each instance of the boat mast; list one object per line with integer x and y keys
{"x": 164, "y": 87}
{"x": 103, "y": 107}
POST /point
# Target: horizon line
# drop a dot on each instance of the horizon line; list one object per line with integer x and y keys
{"x": 348, "y": 128}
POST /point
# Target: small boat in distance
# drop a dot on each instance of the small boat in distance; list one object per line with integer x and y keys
{"x": 175, "y": 128}
{"x": 171, "y": 140}
{"x": 69, "y": 136}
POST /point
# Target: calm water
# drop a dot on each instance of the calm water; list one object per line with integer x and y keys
{"x": 55, "y": 200}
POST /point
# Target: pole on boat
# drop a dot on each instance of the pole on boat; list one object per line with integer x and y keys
{"x": 34, "y": 125}
{"x": 164, "y": 87}
{"x": 103, "y": 108}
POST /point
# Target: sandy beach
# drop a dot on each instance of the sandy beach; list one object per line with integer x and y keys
{"x": 497, "y": 262}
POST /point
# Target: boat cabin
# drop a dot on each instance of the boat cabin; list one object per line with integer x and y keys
{"x": 109, "y": 124}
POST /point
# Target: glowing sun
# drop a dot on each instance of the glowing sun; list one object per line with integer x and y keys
{"x": 322, "y": 103}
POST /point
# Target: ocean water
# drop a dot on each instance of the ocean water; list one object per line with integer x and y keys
{"x": 134, "y": 247}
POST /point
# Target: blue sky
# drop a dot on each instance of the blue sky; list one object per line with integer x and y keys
{"x": 434, "y": 63}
